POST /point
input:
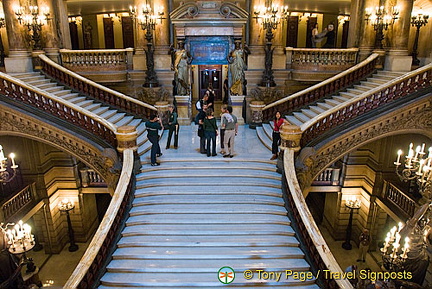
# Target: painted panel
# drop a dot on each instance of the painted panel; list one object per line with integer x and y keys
{"x": 209, "y": 50}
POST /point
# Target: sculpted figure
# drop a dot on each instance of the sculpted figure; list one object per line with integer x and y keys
{"x": 181, "y": 59}
{"x": 237, "y": 61}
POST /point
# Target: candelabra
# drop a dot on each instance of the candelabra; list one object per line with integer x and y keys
{"x": 5, "y": 176}
{"x": 20, "y": 240}
{"x": 147, "y": 20}
{"x": 270, "y": 18}
{"x": 380, "y": 20}
{"x": 65, "y": 206}
{"x": 34, "y": 20}
{"x": 351, "y": 204}
{"x": 2, "y": 54}
{"x": 75, "y": 19}
{"x": 393, "y": 255}
{"x": 417, "y": 20}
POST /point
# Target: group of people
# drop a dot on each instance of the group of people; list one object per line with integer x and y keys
{"x": 327, "y": 33}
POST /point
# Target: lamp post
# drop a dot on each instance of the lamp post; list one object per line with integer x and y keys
{"x": 380, "y": 20}
{"x": 34, "y": 20}
{"x": 270, "y": 17}
{"x": 65, "y": 206}
{"x": 351, "y": 204}
{"x": 20, "y": 240}
{"x": 417, "y": 20}
{"x": 5, "y": 176}
{"x": 147, "y": 20}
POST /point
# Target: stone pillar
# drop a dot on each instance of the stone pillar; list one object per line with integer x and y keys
{"x": 161, "y": 37}
{"x": 19, "y": 59}
{"x": 162, "y": 110}
{"x": 50, "y": 39}
{"x": 139, "y": 59}
{"x": 290, "y": 137}
{"x": 279, "y": 58}
{"x": 126, "y": 138}
{"x": 237, "y": 105}
{"x": 398, "y": 35}
{"x": 356, "y": 22}
{"x": 60, "y": 8}
{"x": 366, "y": 32}
{"x": 183, "y": 109}
{"x": 256, "y": 108}
{"x": 257, "y": 39}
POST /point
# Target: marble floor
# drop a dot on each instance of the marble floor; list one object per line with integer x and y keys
{"x": 56, "y": 269}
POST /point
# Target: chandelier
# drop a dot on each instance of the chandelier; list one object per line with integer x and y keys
{"x": 394, "y": 256}
{"x": 5, "y": 175}
{"x": 380, "y": 19}
{"x": 270, "y": 16}
{"x": 34, "y": 18}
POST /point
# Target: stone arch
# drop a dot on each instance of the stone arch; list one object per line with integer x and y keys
{"x": 413, "y": 118}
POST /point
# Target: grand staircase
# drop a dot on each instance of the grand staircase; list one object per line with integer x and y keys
{"x": 306, "y": 114}
{"x": 194, "y": 214}
{"x": 114, "y": 116}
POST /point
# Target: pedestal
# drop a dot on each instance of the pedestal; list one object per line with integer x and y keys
{"x": 290, "y": 137}
{"x": 162, "y": 108}
{"x": 53, "y": 54}
{"x": 139, "y": 60}
{"x": 126, "y": 138}
{"x": 18, "y": 61}
{"x": 398, "y": 61}
{"x": 237, "y": 105}
{"x": 183, "y": 109}
{"x": 256, "y": 108}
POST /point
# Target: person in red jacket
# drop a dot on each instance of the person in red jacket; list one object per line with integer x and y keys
{"x": 278, "y": 122}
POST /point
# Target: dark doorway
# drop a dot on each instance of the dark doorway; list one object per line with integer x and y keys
{"x": 310, "y": 26}
{"x": 292, "y": 31}
{"x": 73, "y": 28}
{"x": 345, "y": 29}
{"x": 210, "y": 74}
{"x": 108, "y": 33}
{"x": 127, "y": 30}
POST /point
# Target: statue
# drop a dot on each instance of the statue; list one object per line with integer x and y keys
{"x": 88, "y": 35}
{"x": 181, "y": 59}
{"x": 237, "y": 61}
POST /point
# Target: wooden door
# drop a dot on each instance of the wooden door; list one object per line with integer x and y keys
{"x": 310, "y": 26}
{"x": 210, "y": 74}
{"x": 73, "y": 29}
{"x": 108, "y": 33}
{"x": 345, "y": 29}
{"x": 292, "y": 31}
{"x": 127, "y": 30}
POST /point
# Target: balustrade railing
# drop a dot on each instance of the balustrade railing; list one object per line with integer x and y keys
{"x": 90, "y": 178}
{"x": 318, "y": 252}
{"x": 13, "y": 205}
{"x": 317, "y": 59}
{"x": 88, "y": 270}
{"x": 20, "y": 91}
{"x": 322, "y": 89}
{"x": 399, "y": 199}
{"x": 95, "y": 90}
{"x": 369, "y": 100}
{"x": 329, "y": 176}
{"x": 97, "y": 59}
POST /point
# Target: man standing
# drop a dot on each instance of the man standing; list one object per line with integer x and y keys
{"x": 173, "y": 127}
{"x": 364, "y": 245}
{"x": 201, "y": 116}
{"x": 229, "y": 123}
{"x": 153, "y": 125}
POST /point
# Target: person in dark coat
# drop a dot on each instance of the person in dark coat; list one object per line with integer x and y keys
{"x": 153, "y": 125}
{"x": 173, "y": 127}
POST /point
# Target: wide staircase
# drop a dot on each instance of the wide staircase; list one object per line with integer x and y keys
{"x": 304, "y": 115}
{"x": 194, "y": 214}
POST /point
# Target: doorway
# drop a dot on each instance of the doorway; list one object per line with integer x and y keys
{"x": 210, "y": 74}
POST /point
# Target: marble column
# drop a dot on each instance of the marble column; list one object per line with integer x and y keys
{"x": 237, "y": 105}
{"x": 279, "y": 58}
{"x": 161, "y": 37}
{"x": 139, "y": 59}
{"x": 19, "y": 59}
{"x": 398, "y": 35}
{"x": 50, "y": 39}
{"x": 366, "y": 32}
{"x": 356, "y": 23}
{"x": 62, "y": 20}
{"x": 257, "y": 39}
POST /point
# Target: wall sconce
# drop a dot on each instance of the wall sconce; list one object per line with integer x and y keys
{"x": 34, "y": 19}
{"x": 113, "y": 16}
{"x": 5, "y": 176}
{"x": 342, "y": 19}
{"x": 75, "y": 19}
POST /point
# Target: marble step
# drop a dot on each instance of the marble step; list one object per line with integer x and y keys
{"x": 362, "y": 88}
{"x": 186, "y": 266}
{"x": 293, "y": 120}
{"x": 332, "y": 102}
{"x": 207, "y": 219}
{"x": 215, "y": 172}
{"x": 300, "y": 116}
{"x": 262, "y": 136}
{"x": 195, "y": 164}
{"x": 126, "y": 120}
{"x": 269, "y": 241}
{"x": 116, "y": 117}
{"x": 200, "y": 209}
{"x": 154, "y": 280}
{"x": 355, "y": 91}
{"x": 309, "y": 113}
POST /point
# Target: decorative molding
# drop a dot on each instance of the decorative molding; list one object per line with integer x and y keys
{"x": 416, "y": 117}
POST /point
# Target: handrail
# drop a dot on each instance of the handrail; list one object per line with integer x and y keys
{"x": 322, "y": 256}
{"x": 54, "y": 105}
{"x": 365, "y": 102}
{"x": 18, "y": 201}
{"x": 95, "y": 90}
{"x": 319, "y": 90}
{"x": 63, "y": 50}
{"x": 400, "y": 199}
{"x": 321, "y": 59}
{"x": 84, "y": 274}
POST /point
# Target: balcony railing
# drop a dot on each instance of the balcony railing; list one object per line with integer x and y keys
{"x": 14, "y": 205}
{"x": 317, "y": 59}
{"x": 399, "y": 199}
{"x": 329, "y": 177}
{"x": 322, "y": 89}
{"x": 97, "y": 59}
{"x": 90, "y": 178}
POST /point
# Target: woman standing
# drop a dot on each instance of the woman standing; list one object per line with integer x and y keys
{"x": 278, "y": 122}
{"x": 314, "y": 33}
{"x": 210, "y": 132}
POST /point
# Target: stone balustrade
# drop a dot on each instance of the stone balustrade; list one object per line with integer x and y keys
{"x": 316, "y": 59}
{"x": 330, "y": 176}
{"x": 90, "y": 178}
{"x": 97, "y": 59}
{"x": 13, "y": 205}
